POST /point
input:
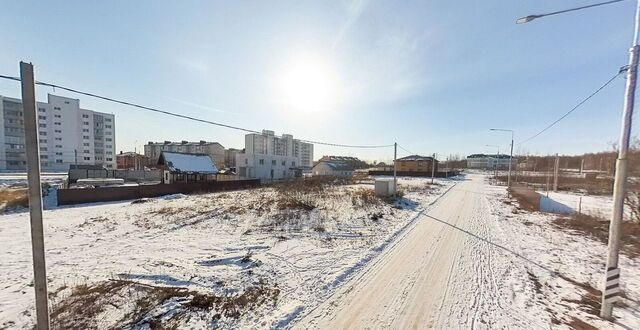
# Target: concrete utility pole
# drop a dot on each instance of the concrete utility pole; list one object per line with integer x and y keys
{"x": 35, "y": 194}
{"x": 611, "y": 290}
{"x": 556, "y": 169}
{"x": 433, "y": 167}
{"x": 395, "y": 168}
{"x": 510, "y": 153}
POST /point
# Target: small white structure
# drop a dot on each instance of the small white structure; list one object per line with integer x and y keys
{"x": 183, "y": 167}
{"x": 385, "y": 187}
{"x": 333, "y": 168}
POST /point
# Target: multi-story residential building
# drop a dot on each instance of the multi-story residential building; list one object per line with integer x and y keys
{"x": 213, "y": 149}
{"x": 491, "y": 162}
{"x": 267, "y": 156}
{"x": 68, "y": 135}
{"x": 230, "y": 157}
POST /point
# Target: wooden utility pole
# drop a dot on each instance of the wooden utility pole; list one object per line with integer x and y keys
{"x": 395, "y": 169}
{"x": 555, "y": 173}
{"x": 35, "y": 194}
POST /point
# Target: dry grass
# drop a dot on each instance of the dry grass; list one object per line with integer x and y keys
{"x": 598, "y": 229}
{"x": 13, "y": 197}
{"x": 83, "y": 307}
{"x": 364, "y": 196}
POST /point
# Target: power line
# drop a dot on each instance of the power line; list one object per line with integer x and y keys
{"x": 401, "y": 147}
{"x": 185, "y": 116}
{"x": 622, "y": 70}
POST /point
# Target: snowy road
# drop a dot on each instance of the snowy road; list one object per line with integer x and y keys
{"x": 446, "y": 272}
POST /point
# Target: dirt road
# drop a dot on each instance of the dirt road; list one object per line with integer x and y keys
{"x": 446, "y": 272}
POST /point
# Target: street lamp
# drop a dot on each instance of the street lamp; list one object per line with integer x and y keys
{"x": 510, "y": 153}
{"x": 530, "y": 18}
{"x": 611, "y": 291}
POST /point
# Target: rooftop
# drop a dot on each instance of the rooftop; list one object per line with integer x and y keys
{"x": 187, "y": 162}
{"x": 416, "y": 158}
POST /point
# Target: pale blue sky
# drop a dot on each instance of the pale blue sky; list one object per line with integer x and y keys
{"x": 432, "y": 75}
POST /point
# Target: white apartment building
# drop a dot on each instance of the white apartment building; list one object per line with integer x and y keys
{"x": 68, "y": 135}
{"x": 213, "y": 149}
{"x": 490, "y": 162}
{"x": 267, "y": 156}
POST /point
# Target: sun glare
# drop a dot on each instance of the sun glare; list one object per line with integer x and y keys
{"x": 308, "y": 86}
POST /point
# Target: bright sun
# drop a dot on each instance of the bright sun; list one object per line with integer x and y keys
{"x": 309, "y": 86}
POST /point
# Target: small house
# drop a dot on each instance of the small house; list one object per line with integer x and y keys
{"x": 333, "y": 168}
{"x": 187, "y": 167}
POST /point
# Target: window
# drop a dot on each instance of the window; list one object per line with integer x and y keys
{"x": 109, "y": 159}
{"x": 87, "y": 158}
{"x": 108, "y": 120}
{"x": 42, "y": 125}
{"x": 108, "y": 146}
{"x": 284, "y": 173}
{"x": 43, "y": 148}
{"x": 44, "y": 157}
{"x": 58, "y": 154}
{"x": 59, "y": 161}
{"x": 43, "y": 140}
{"x": 273, "y": 162}
{"x": 85, "y": 137}
{"x": 57, "y": 116}
{"x": 58, "y": 139}
{"x": 87, "y": 152}
{"x": 284, "y": 163}
{"x": 107, "y": 126}
{"x": 57, "y": 131}
{"x": 246, "y": 161}
{"x": 43, "y": 133}
{"x": 86, "y": 130}
{"x": 261, "y": 161}
{"x": 293, "y": 163}
{"x": 85, "y": 116}
{"x": 108, "y": 139}
{"x": 86, "y": 144}
{"x": 42, "y": 117}
{"x": 57, "y": 123}
{"x": 107, "y": 133}
{"x": 85, "y": 123}
{"x": 66, "y": 102}
{"x": 56, "y": 108}
{"x": 109, "y": 153}
{"x": 41, "y": 110}
{"x": 58, "y": 146}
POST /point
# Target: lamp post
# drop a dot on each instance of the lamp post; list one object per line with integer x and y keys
{"x": 510, "y": 153}
{"x": 611, "y": 291}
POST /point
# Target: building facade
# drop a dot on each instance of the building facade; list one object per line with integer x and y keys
{"x": 131, "y": 160}
{"x": 271, "y": 157}
{"x": 230, "y": 157}
{"x": 416, "y": 163}
{"x": 68, "y": 135}
{"x": 333, "y": 168}
{"x": 213, "y": 149}
{"x": 490, "y": 162}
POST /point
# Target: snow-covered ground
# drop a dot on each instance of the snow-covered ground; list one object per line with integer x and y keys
{"x": 594, "y": 205}
{"x": 219, "y": 244}
{"x": 568, "y": 265}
